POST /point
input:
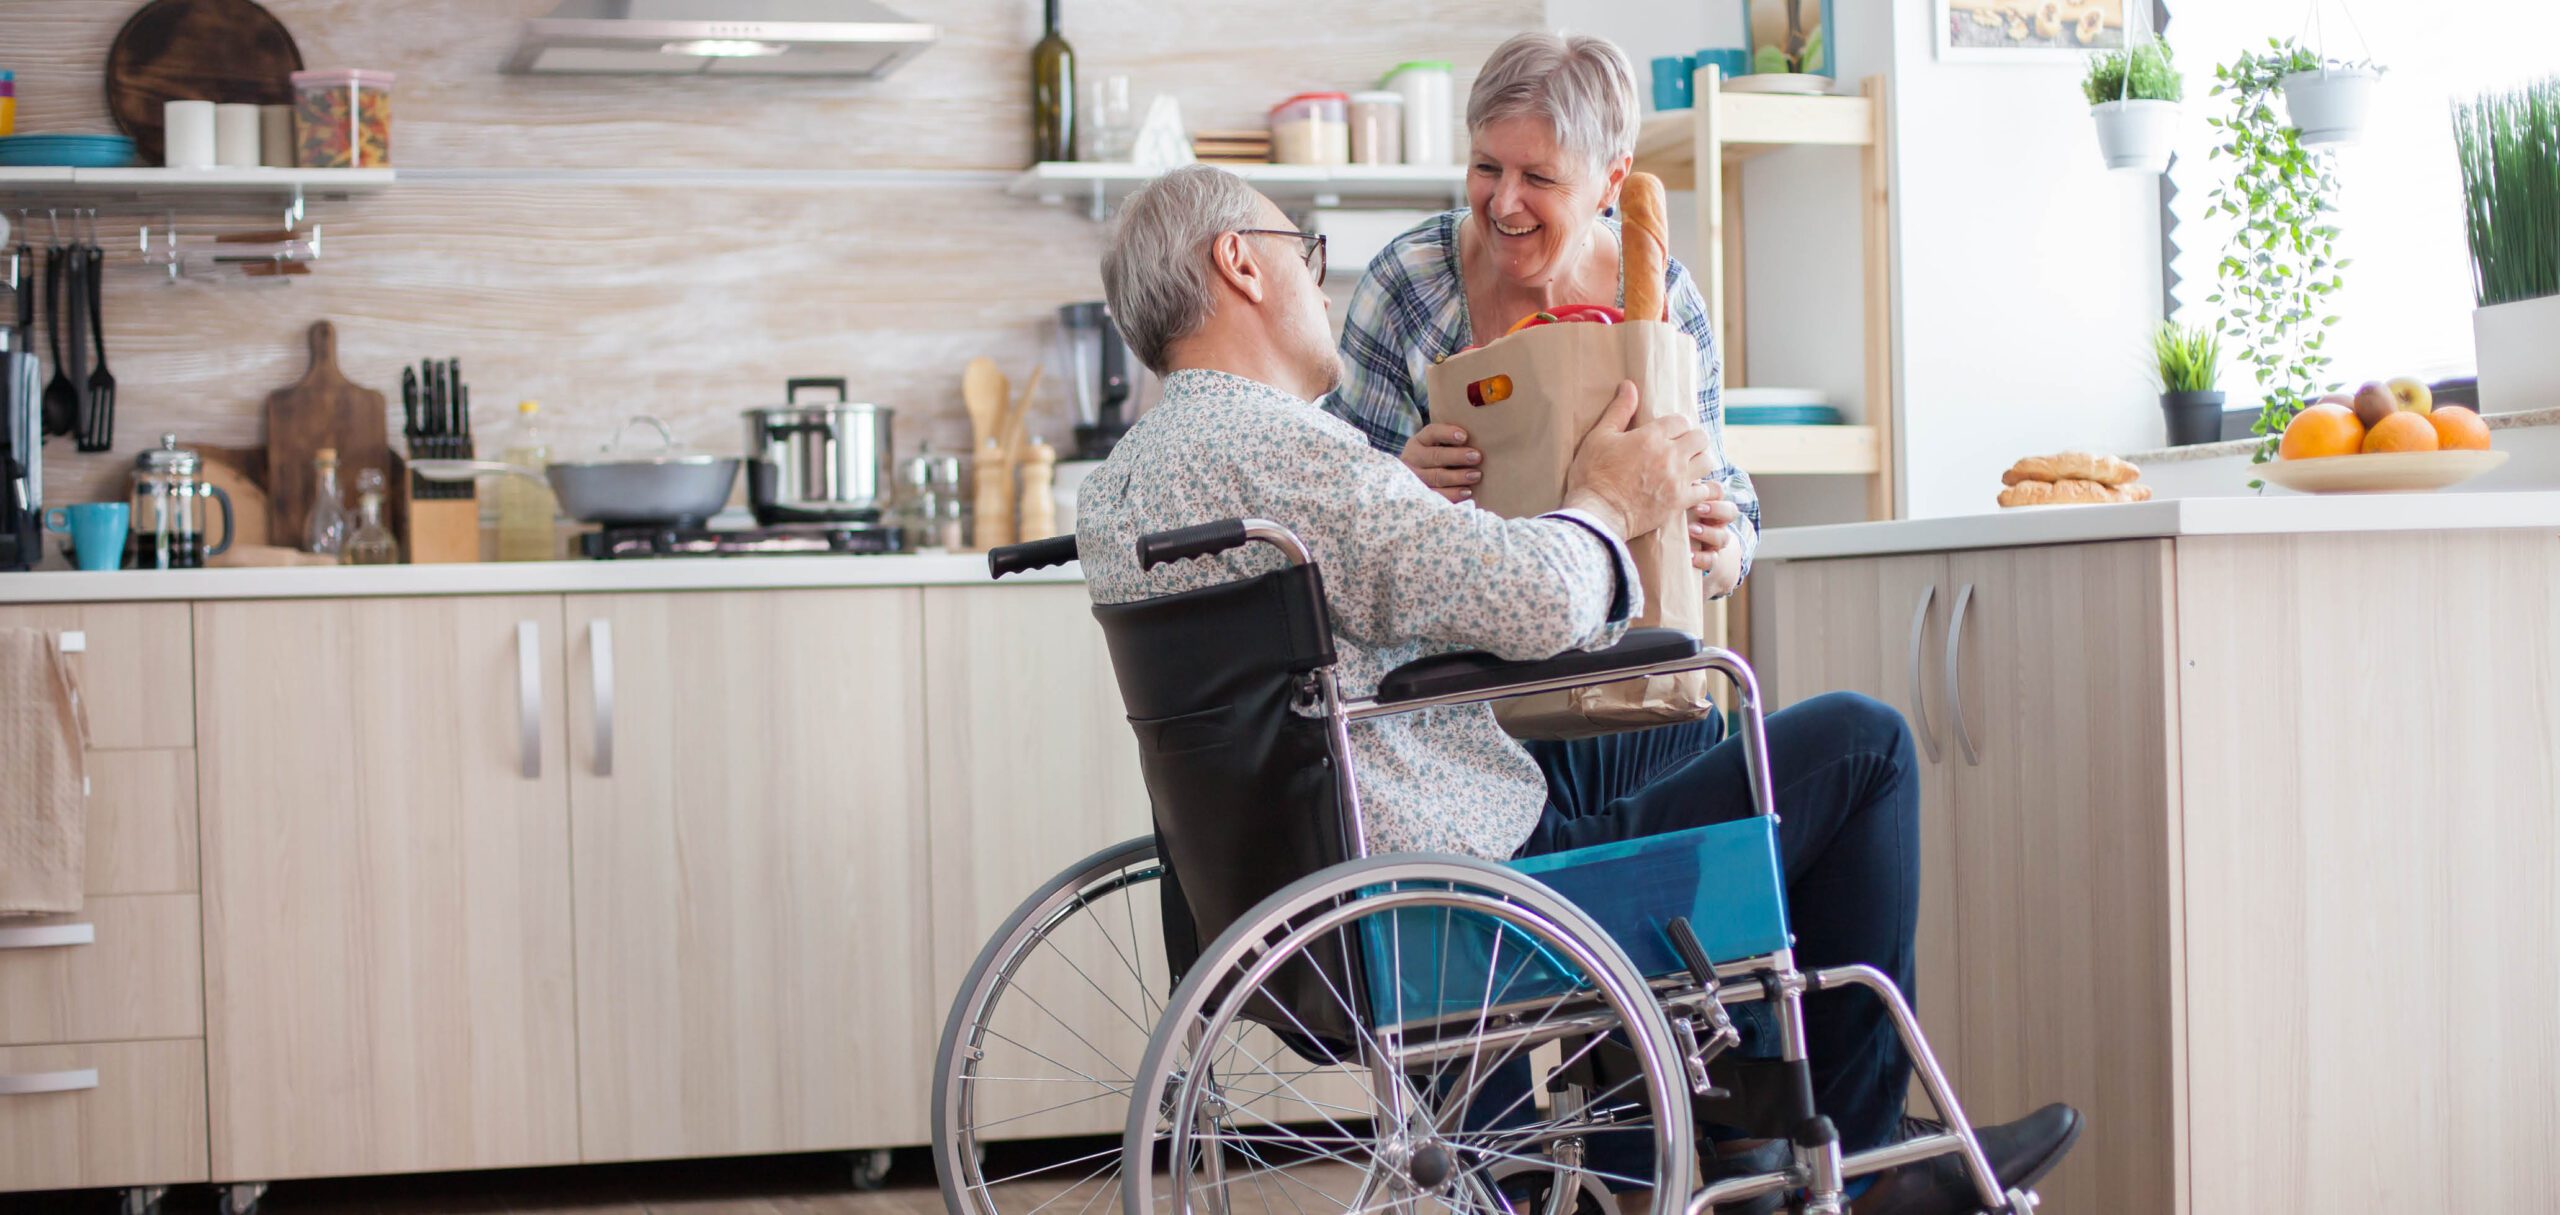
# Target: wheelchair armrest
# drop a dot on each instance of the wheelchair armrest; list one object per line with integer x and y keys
{"x": 1470, "y": 671}
{"x": 1035, "y": 555}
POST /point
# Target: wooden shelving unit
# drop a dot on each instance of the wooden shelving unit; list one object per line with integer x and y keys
{"x": 1703, "y": 149}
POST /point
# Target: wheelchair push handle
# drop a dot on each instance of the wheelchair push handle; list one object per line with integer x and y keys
{"x": 1199, "y": 540}
{"x": 1036, "y": 555}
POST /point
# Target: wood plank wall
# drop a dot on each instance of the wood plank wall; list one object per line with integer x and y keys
{"x": 687, "y": 300}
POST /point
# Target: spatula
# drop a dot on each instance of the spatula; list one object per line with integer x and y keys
{"x": 98, "y": 429}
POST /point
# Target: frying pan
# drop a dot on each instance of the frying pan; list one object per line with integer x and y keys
{"x": 667, "y": 488}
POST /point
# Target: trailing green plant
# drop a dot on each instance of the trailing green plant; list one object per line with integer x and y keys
{"x": 2143, "y": 73}
{"x": 2187, "y": 358}
{"x": 2509, "y": 145}
{"x": 2276, "y": 275}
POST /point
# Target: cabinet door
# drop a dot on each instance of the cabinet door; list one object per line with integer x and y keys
{"x": 750, "y": 867}
{"x": 1877, "y": 625}
{"x": 2061, "y": 700}
{"x": 1033, "y": 769}
{"x": 386, "y": 899}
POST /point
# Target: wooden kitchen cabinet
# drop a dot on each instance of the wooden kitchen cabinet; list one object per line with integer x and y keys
{"x": 386, "y": 885}
{"x": 747, "y": 804}
{"x": 2048, "y": 927}
{"x": 132, "y": 670}
{"x": 122, "y": 1114}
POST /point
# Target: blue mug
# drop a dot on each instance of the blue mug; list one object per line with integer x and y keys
{"x": 1733, "y": 60}
{"x": 96, "y": 530}
{"x": 1671, "y": 88}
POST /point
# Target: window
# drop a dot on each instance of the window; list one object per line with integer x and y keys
{"x": 2406, "y": 307}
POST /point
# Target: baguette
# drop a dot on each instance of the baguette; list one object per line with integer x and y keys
{"x": 1645, "y": 248}
{"x": 2073, "y": 491}
{"x": 2072, "y": 466}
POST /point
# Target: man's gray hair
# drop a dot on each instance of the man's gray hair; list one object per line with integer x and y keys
{"x": 1583, "y": 86}
{"x": 1155, "y": 269}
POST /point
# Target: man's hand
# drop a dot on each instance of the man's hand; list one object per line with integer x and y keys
{"x": 1637, "y": 477}
{"x": 1439, "y": 454}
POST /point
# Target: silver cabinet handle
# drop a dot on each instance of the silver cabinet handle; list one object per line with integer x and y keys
{"x": 529, "y": 696}
{"x": 600, "y": 659}
{"x": 1920, "y": 698}
{"x": 48, "y": 936}
{"x": 27, "y": 1084}
{"x": 1955, "y": 675}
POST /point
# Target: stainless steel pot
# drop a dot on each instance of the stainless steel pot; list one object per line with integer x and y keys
{"x": 821, "y": 463}
{"x": 669, "y": 488}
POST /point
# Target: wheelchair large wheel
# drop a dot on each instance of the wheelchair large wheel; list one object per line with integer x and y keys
{"x": 1041, "y": 1040}
{"x": 1411, "y": 1033}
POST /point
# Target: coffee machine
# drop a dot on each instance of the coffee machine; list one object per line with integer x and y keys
{"x": 21, "y": 427}
{"x": 1098, "y": 365}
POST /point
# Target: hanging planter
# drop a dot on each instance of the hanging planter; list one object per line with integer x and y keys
{"x": 2133, "y": 96}
{"x": 2329, "y": 103}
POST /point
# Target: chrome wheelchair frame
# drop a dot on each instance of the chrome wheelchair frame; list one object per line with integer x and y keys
{"x": 1672, "y": 1029}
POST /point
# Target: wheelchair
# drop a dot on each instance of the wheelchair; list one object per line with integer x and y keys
{"x": 1246, "y": 1011}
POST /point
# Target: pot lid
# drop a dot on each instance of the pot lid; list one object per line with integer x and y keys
{"x": 169, "y": 458}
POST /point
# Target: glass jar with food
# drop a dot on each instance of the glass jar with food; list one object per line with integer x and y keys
{"x": 342, "y": 119}
{"x": 1312, "y": 129}
{"x": 1377, "y": 128}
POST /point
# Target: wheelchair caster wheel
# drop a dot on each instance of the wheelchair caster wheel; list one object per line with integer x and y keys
{"x": 141, "y": 1199}
{"x": 871, "y": 1169}
{"x": 243, "y": 1197}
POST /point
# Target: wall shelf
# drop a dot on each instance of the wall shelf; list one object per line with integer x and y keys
{"x": 1748, "y": 124}
{"x": 170, "y": 183}
{"x": 1102, "y": 186}
{"x": 1764, "y": 451}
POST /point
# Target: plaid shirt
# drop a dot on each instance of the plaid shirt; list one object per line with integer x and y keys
{"x": 1410, "y": 311}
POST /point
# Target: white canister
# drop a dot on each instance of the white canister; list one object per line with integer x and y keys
{"x": 187, "y": 135}
{"x": 1430, "y": 109}
{"x": 1377, "y": 128}
{"x": 236, "y": 135}
{"x": 275, "y": 136}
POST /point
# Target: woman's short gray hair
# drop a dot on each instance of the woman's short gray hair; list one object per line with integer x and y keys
{"x": 1155, "y": 269}
{"x": 1583, "y": 86}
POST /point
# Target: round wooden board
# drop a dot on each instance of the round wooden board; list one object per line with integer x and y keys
{"x": 195, "y": 50}
{"x": 2380, "y": 472}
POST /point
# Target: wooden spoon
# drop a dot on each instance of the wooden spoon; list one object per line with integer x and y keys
{"x": 983, "y": 390}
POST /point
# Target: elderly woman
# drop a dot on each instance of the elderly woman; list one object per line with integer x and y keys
{"x": 1552, "y": 128}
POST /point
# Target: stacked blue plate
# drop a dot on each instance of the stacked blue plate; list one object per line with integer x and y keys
{"x": 73, "y": 151}
{"x": 1781, "y": 415}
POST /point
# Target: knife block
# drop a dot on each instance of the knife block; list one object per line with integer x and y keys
{"x": 434, "y": 531}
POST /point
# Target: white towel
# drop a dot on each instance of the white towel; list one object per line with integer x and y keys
{"x": 44, "y": 784}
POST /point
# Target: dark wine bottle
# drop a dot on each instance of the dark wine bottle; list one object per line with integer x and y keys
{"x": 1053, "y": 95}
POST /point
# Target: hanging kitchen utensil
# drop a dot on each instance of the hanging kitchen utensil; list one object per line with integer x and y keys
{"x": 195, "y": 50}
{"x": 75, "y": 346}
{"x": 100, "y": 432}
{"x": 61, "y": 402}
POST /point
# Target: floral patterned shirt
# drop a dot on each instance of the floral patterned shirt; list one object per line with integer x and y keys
{"x": 1407, "y": 575}
{"x": 1410, "y": 311}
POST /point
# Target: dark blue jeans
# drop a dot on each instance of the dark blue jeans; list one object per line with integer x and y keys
{"x": 1848, "y": 799}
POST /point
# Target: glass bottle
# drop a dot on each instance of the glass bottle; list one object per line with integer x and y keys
{"x": 1053, "y": 95}
{"x": 527, "y": 513}
{"x": 325, "y": 532}
{"x": 371, "y": 543}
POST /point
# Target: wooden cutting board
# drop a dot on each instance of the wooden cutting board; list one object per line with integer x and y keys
{"x": 195, "y": 50}
{"x": 323, "y": 409}
{"x": 249, "y": 506}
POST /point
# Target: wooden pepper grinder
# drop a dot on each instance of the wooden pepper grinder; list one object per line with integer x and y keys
{"x": 1039, "y": 509}
{"x": 995, "y": 494}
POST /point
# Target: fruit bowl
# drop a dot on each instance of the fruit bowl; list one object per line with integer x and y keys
{"x": 2380, "y": 472}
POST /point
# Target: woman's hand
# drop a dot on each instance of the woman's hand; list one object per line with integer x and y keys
{"x": 1711, "y": 548}
{"x": 1439, "y": 454}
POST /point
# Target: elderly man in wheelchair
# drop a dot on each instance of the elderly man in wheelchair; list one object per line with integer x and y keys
{"x": 1371, "y": 957}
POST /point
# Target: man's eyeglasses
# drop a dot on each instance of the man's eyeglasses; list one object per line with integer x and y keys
{"x": 1314, "y": 253}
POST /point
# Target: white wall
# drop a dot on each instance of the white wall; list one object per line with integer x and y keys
{"x": 2026, "y": 277}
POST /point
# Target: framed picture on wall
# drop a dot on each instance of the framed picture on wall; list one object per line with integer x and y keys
{"x": 2034, "y": 31}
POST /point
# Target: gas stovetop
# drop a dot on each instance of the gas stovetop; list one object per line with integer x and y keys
{"x": 817, "y": 540}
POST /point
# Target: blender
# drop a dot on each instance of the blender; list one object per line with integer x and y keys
{"x": 1098, "y": 365}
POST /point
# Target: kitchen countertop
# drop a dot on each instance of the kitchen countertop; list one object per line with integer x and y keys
{"x": 523, "y": 578}
{"x": 2242, "y": 447}
{"x": 2236, "y": 516}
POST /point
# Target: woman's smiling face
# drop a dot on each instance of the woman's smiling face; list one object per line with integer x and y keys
{"x": 1534, "y": 201}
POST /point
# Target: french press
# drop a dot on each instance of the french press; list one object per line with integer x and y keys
{"x": 168, "y": 512}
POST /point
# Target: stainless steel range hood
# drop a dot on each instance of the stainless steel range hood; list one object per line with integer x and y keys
{"x": 853, "y": 38}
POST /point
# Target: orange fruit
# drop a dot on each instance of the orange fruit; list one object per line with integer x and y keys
{"x": 2403, "y": 431}
{"x": 2321, "y": 430}
{"x": 2459, "y": 429}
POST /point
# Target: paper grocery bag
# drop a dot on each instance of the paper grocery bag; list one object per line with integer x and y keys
{"x": 1560, "y": 379}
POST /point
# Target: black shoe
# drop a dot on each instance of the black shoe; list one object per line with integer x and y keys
{"x": 1770, "y": 1157}
{"x": 2020, "y": 1153}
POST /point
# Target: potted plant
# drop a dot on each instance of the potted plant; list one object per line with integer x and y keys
{"x": 2281, "y": 267}
{"x": 2188, "y": 360}
{"x": 2509, "y": 146}
{"x": 2133, "y": 94}
{"x": 2326, "y": 99}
